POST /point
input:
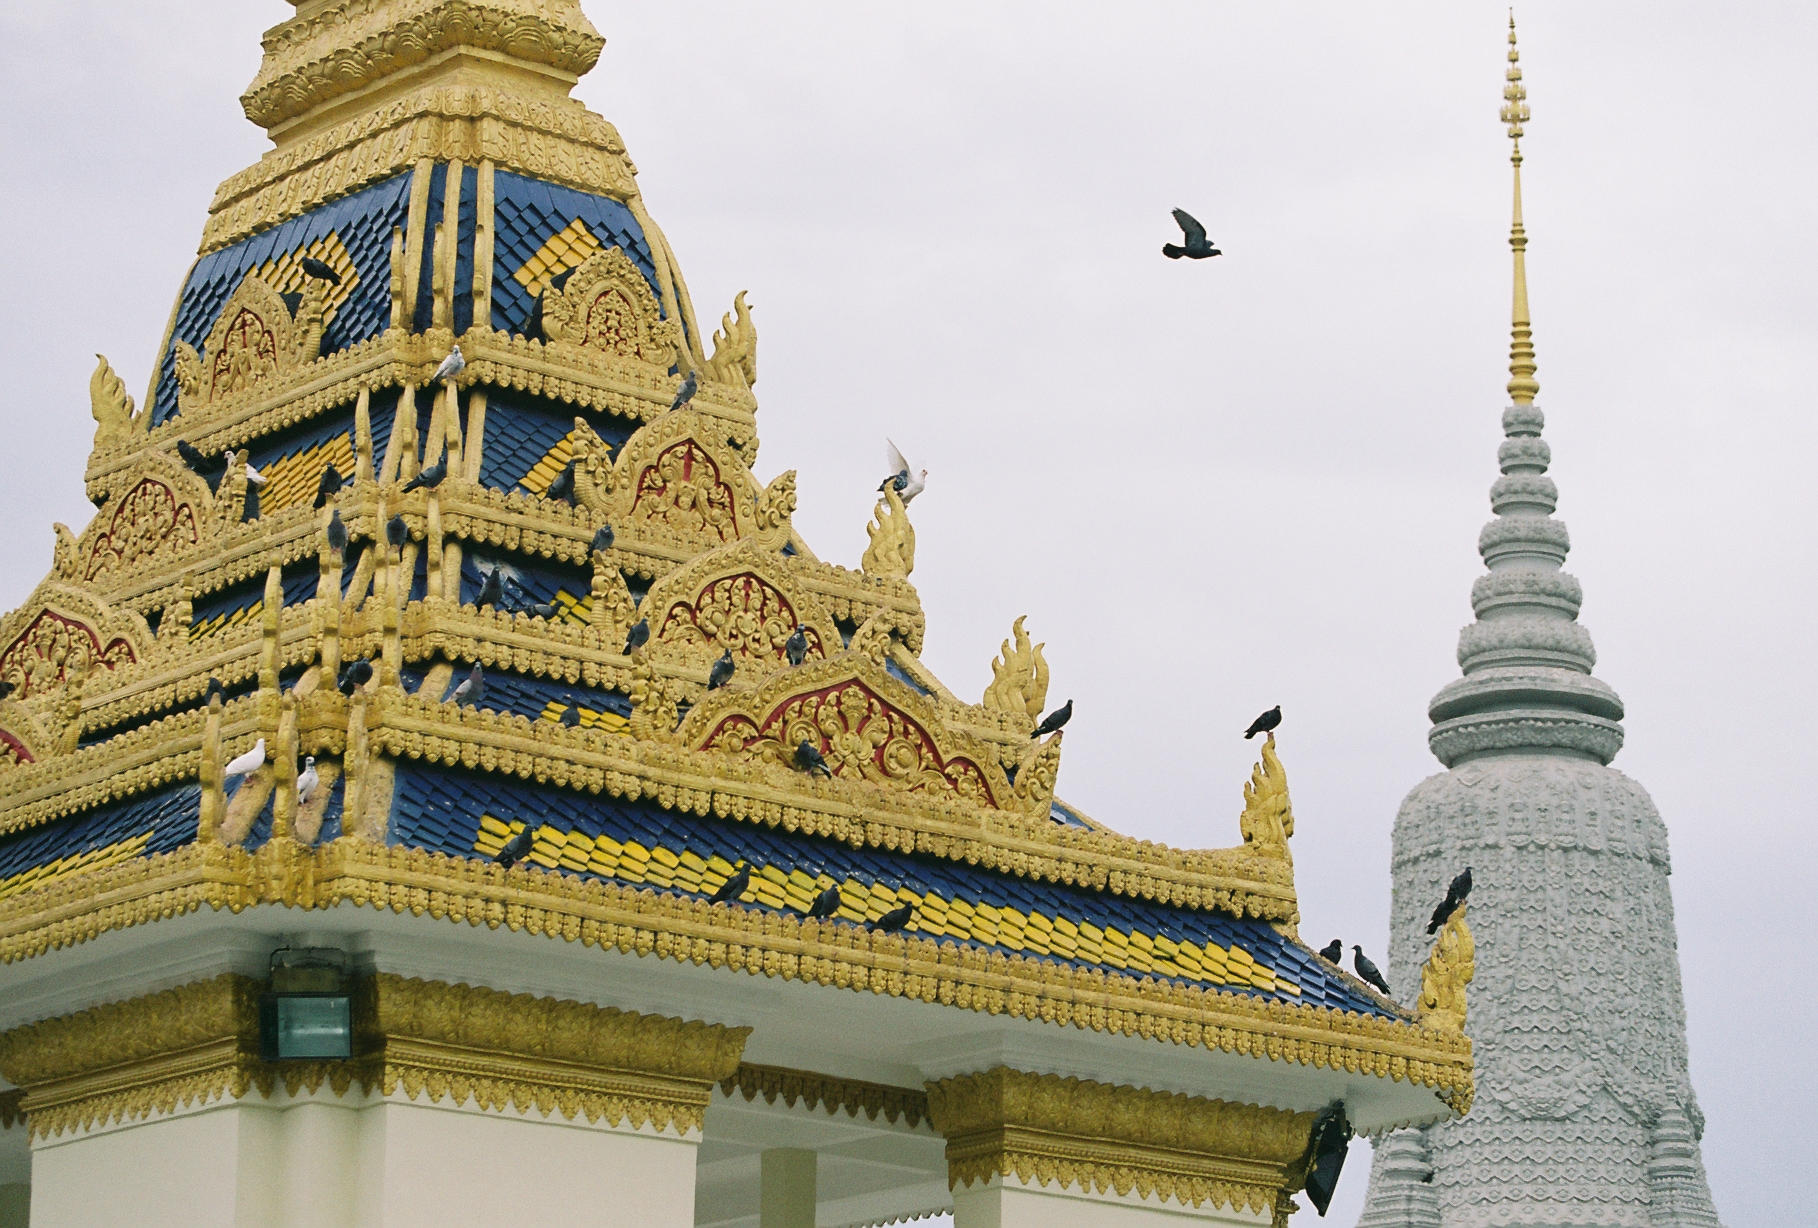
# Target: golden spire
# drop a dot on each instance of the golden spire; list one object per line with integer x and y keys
{"x": 1522, "y": 384}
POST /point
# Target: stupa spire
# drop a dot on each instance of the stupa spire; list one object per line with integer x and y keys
{"x": 1523, "y": 387}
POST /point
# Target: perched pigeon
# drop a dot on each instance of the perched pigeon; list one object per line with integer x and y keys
{"x": 249, "y": 510}
{"x": 908, "y": 485}
{"x": 685, "y": 393}
{"x": 1198, "y": 247}
{"x": 1455, "y": 895}
{"x": 1367, "y": 970}
{"x": 603, "y": 539}
{"x": 722, "y": 671}
{"x": 897, "y": 918}
{"x": 1333, "y": 951}
{"x": 1054, "y": 720}
{"x": 571, "y": 715}
{"x": 826, "y": 903}
{"x": 472, "y": 690}
{"x": 1328, "y": 1144}
{"x": 545, "y": 609}
{"x": 329, "y": 486}
{"x": 246, "y": 764}
{"x": 638, "y": 637}
{"x": 429, "y": 478}
{"x": 518, "y": 847}
{"x": 6, "y": 688}
{"x": 337, "y": 532}
{"x": 733, "y": 887}
{"x": 397, "y": 532}
{"x": 208, "y": 697}
{"x": 319, "y": 270}
{"x": 199, "y": 464}
{"x": 562, "y": 487}
{"x": 356, "y": 675}
{"x": 796, "y": 646}
{"x": 1264, "y": 723}
{"x": 492, "y": 590}
{"x": 451, "y": 366}
{"x": 308, "y": 781}
{"x": 808, "y": 757}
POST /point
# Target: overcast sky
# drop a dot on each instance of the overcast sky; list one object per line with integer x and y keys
{"x": 1212, "y": 487}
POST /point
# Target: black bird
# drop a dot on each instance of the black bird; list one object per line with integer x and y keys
{"x": 897, "y": 918}
{"x": 685, "y": 393}
{"x": 397, "y": 532}
{"x": 733, "y": 887}
{"x": 6, "y": 688}
{"x": 1327, "y": 1145}
{"x": 1198, "y": 247}
{"x": 208, "y": 697}
{"x": 808, "y": 757}
{"x": 563, "y": 486}
{"x": 722, "y": 671}
{"x": 319, "y": 270}
{"x": 1368, "y": 970}
{"x": 356, "y": 675}
{"x": 1264, "y": 723}
{"x": 638, "y": 637}
{"x": 329, "y": 486}
{"x": 603, "y": 539}
{"x": 492, "y": 590}
{"x": 1333, "y": 951}
{"x": 1455, "y": 895}
{"x": 518, "y": 847}
{"x": 1054, "y": 720}
{"x": 199, "y": 464}
{"x": 571, "y": 715}
{"x": 826, "y": 903}
{"x": 429, "y": 478}
{"x": 797, "y": 644}
{"x": 249, "y": 510}
{"x": 337, "y": 532}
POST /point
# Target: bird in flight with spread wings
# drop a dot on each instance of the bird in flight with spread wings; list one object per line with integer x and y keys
{"x": 1197, "y": 246}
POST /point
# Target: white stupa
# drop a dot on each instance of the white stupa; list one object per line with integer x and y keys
{"x": 1584, "y": 1112}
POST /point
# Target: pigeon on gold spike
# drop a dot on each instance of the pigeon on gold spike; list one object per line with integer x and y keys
{"x": 1265, "y": 723}
{"x": 908, "y": 485}
{"x": 451, "y": 366}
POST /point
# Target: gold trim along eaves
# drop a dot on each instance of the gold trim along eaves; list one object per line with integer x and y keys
{"x": 833, "y": 1095}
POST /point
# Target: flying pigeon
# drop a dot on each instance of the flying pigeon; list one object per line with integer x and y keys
{"x": 246, "y": 764}
{"x": 1367, "y": 970}
{"x": 826, "y": 903}
{"x": 518, "y": 847}
{"x": 908, "y": 485}
{"x": 563, "y": 486}
{"x": 571, "y": 715}
{"x": 253, "y": 476}
{"x": 451, "y": 366}
{"x": 894, "y": 920}
{"x": 492, "y": 590}
{"x": 429, "y": 478}
{"x": 603, "y": 539}
{"x": 1455, "y": 895}
{"x": 337, "y": 532}
{"x": 1054, "y": 720}
{"x": 319, "y": 270}
{"x": 199, "y": 464}
{"x": 685, "y": 393}
{"x": 397, "y": 532}
{"x": 1264, "y": 723}
{"x": 733, "y": 887}
{"x": 1333, "y": 951}
{"x": 308, "y": 781}
{"x": 722, "y": 671}
{"x": 808, "y": 757}
{"x": 796, "y": 646}
{"x": 356, "y": 675}
{"x": 1328, "y": 1144}
{"x": 472, "y": 690}
{"x": 208, "y": 697}
{"x": 638, "y": 637}
{"x": 1198, "y": 246}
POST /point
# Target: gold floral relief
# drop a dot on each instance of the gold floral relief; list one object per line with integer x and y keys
{"x": 149, "y": 519}
{"x": 606, "y": 306}
{"x": 54, "y": 648}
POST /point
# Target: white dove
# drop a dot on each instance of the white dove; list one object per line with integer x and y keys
{"x": 254, "y": 476}
{"x": 246, "y": 764}
{"x": 308, "y": 781}
{"x": 907, "y": 486}
{"x": 451, "y": 366}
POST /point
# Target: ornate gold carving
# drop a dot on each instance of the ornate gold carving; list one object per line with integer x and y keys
{"x": 166, "y": 512}
{"x": 740, "y": 599}
{"x": 606, "y": 306}
{"x": 1019, "y": 677}
{"x": 1268, "y": 817}
{"x": 1044, "y": 1128}
{"x": 775, "y": 505}
{"x": 1033, "y": 793}
{"x": 674, "y": 481}
{"x": 891, "y": 553}
{"x": 254, "y": 339}
{"x": 908, "y": 1105}
{"x": 63, "y": 634}
{"x": 112, "y": 407}
{"x": 734, "y": 358}
{"x": 1447, "y": 971}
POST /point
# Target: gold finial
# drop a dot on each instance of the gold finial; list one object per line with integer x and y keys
{"x": 1522, "y": 385}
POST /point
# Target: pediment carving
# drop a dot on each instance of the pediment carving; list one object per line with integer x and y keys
{"x": 676, "y": 480}
{"x": 606, "y": 307}
{"x": 254, "y": 339}
{"x": 741, "y": 599}
{"x": 165, "y": 512}
{"x": 63, "y": 636}
{"x": 23, "y": 738}
{"x": 866, "y": 724}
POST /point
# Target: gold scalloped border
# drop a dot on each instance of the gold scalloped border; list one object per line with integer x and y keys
{"x": 852, "y": 1097}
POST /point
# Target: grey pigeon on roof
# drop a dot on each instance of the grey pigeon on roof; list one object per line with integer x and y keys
{"x": 1197, "y": 246}
{"x": 571, "y": 715}
{"x": 518, "y": 847}
{"x": 1264, "y": 723}
{"x": 1333, "y": 951}
{"x": 685, "y": 393}
{"x": 319, "y": 270}
{"x": 907, "y": 483}
{"x": 1455, "y": 895}
{"x": 896, "y": 919}
{"x": 214, "y": 688}
{"x": 336, "y": 532}
{"x": 722, "y": 671}
{"x": 734, "y": 886}
{"x": 329, "y": 486}
{"x": 356, "y": 675}
{"x": 492, "y": 590}
{"x": 397, "y": 531}
{"x": 1368, "y": 970}
{"x": 826, "y": 903}
{"x": 796, "y": 646}
{"x": 602, "y": 539}
{"x": 451, "y": 366}
{"x": 545, "y": 609}
{"x": 562, "y": 487}
{"x": 1054, "y": 720}
{"x": 808, "y": 757}
{"x": 429, "y": 478}
{"x": 472, "y": 690}
{"x": 637, "y": 637}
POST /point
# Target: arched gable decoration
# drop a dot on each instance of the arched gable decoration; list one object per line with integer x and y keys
{"x": 64, "y": 634}
{"x": 165, "y": 511}
{"x": 676, "y": 482}
{"x": 743, "y": 599}
{"x": 866, "y": 724}
{"x": 606, "y": 307}
{"x": 254, "y": 338}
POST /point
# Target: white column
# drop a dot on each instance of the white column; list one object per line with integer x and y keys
{"x": 1008, "y": 1203}
{"x": 786, "y": 1188}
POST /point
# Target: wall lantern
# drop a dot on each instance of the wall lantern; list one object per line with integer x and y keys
{"x": 306, "y": 1012}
